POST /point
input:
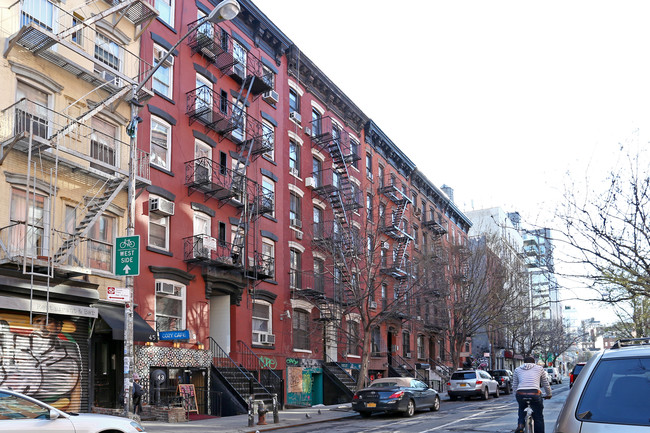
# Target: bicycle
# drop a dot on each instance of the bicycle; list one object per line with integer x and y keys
{"x": 529, "y": 422}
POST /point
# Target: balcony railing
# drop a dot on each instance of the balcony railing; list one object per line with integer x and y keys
{"x": 396, "y": 229}
{"x": 260, "y": 266}
{"x": 209, "y": 250}
{"x": 331, "y": 234}
{"x": 435, "y": 227}
{"x": 219, "y": 182}
{"x": 328, "y": 135}
{"x": 335, "y": 188}
{"x": 85, "y": 147}
{"x": 390, "y": 188}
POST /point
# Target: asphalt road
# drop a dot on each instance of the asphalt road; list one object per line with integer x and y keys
{"x": 495, "y": 415}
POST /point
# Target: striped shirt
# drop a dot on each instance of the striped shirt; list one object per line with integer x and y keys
{"x": 530, "y": 376}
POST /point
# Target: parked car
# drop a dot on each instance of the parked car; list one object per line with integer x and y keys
{"x": 470, "y": 383}
{"x": 554, "y": 375}
{"x": 395, "y": 394}
{"x": 20, "y": 413}
{"x": 575, "y": 372}
{"x": 503, "y": 378}
{"x": 611, "y": 392}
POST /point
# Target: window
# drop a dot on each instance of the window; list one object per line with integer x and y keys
{"x": 108, "y": 52}
{"x": 384, "y": 290}
{"x": 268, "y": 195}
{"x": 380, "y": 175}
{"x": 223, "y": 102}
{"x": 159, "y": 231}
{"x": 223, "y": 163}
{"x": 100, "y": 244}
{"x": 239, "y": 116}
{"x": 420, "y": 343}
{"x": 353, "y": 338}
{"x": 37, "y": 117}
{"x": 294, "y": 210}
{"x": 406, "y": 344}
{"x": 301, "y": 330}
{"x": 222, "y": 233}
{"x": 166, "y": 11}
{"x": 268, "y": 76}
{"x": 369, "y": 206}
{"x": 295, "y": 269}
{"x": 268, "y": 140}
{"x": 415, "y": 237}
{"x": 317, "y": 172}
{"x": 319, "y": 275}
{"x": 202, "y": 231}
{"x": 268, "y": 255}
{"x": 318, "y": 223}
{"x": 160, "y": 152}
{"x": 241, "y": 56}
{"x": 261, "y": 320}
{"x": 316, "y": 122}
{"x": 40, "y": 12}
{"x": 77, "y": 37}
{"x": 103, "y": 143}
{"x": 28, "y": 214}
{"x": 294, "y": 101}
{"x": 294, "y": 158}
{"x": 354, "y": 151}
{"x": 369, "y": 166}
{"x": 162, "y": 79}
{"x": 375, "y": 341}
{"x": 202, "y": 162}
{"x": 381, "y": 213}
{"x": 170, "y": 306}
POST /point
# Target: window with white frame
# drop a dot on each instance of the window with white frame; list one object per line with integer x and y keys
{"x": 100, "y": 244}
{"x": 354, "y": 151}
{"x": 295, "y": 214}
{"x": 240, "y": 55}
{"x": 239, "y": 115}
{"x": 318, "y": 222}
{"x": 162, "y": 79}
{"x": 268, "y": 140}
{"x": 420, "y": 344}
{"x": 161, "y": 137}
{"x": 262, "y": 324}
{"x": 406, "y": 344}
{"x": 204, "y": 98}
{"x": 316, "y": 122}
{"x": 353, "y": 338}
{"x": 317, "y": 172}
{"x": 268, "y": 192}
{"x": 108, "y": 52}
{"x": 41, "y": 12}
{"x": 166, "y": 11}
{"x": 37, "y": 117}
{"x": 170, "y": 305}
{"x": 300, "y": 322}
{"x": 295, "y": 268}
{"x": 268, "y": 256}
{"x": 202, "y": 162}
{"x": 294, "y": 158}
{"x": 158, "y": 231}
{"x": 319, "y": 275}
{"x": 268, "y": 76}
{"x": 103, "y": 143}
{"x": 27, "y": 217}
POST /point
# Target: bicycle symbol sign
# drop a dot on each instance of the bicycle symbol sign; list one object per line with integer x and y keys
{"x": 127, "y": 255}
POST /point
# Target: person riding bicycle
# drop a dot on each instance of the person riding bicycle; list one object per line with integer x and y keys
{"x": 526, "y": 385}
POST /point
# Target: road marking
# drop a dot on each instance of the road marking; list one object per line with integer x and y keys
{"x": 455, "y": 422}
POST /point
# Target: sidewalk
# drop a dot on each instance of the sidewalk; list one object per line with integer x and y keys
{"x": 239, "y": 423}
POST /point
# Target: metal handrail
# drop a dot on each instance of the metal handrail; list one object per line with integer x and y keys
{"x": 252, "y": 361}
{"x": 221, "y": 359}
{"x": 329, "y": 359}
{"x": 402, "y": 361}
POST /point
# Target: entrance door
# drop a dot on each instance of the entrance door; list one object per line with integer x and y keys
{"x": 390, "y": 344}
{"x": 220, "y": 321}
{"x": 202, "y": 163}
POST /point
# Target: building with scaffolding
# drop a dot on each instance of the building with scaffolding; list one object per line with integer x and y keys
{"x": 280, "y": 228}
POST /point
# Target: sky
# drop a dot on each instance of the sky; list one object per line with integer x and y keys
{"x": 507, "y": 102}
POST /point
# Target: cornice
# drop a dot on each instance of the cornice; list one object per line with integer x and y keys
{"x": 384, "y": 145}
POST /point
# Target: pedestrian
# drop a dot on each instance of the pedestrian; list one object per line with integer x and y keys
{"x": 137, "y": 394}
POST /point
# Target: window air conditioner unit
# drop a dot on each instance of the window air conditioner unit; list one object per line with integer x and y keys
{"x": 267, "y": 338}
{"x": 271, "y": 97}
{"x": 308, "y": 131}
{"x": 298, "y": 235}
{"x": 109, "y": 76}
{"x": 161, "y": 206}
{"x": 165, "y": 288}
{"x": 373, "y": 304}
{"x": 408, "y": 354}
{"x": 168, "y": 61}
{"x": 296, "y": 223}
{"x": 418, "y": 318}
{"x": 385, "y": 245}
{"x": 295, "y": 116}
{"x": 293, "y": 171}
{"x": 310, "y": 182}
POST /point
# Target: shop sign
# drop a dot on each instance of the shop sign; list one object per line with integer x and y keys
{"x": 174, "y": 335}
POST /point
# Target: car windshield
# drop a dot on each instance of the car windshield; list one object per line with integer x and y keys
{"x": 550, "y": 370}
{"x": 617, "y": 393}
{"x": 463, "y": 375}
{"x": 497, "y": 372}
{"x": 577, "y": 368}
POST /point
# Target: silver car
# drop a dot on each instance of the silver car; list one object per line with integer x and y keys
{"x": 470, "y": 383}
{"x": 20, "y": 413}
{"x": 611, "y": 394}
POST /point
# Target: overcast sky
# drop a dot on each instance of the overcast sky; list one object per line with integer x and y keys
{"x": 497, "y": 99}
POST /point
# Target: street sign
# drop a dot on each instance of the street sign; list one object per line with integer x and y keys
{"x": 127, "y": 255}
{"x": 118, "y": 294}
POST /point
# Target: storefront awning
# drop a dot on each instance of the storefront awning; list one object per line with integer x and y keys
{"x": 114, "y": 317}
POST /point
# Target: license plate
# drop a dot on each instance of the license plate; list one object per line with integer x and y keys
{"x": 463, "y": 384}
{"x": 371, "y": 404}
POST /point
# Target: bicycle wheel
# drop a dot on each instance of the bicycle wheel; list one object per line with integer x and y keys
{"x": 530, "y": 424}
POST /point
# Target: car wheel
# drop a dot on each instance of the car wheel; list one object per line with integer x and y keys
{"x": 365, "y": 414}
{"x": 410, "y": 409}
{"x": 486, "y": 394}
{"x": 496, "y": 393}
{"x": 436, "y": 404}
{"x": 507, "y": 390}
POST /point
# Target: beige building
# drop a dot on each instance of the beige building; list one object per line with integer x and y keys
{"x": 66, "y": 73}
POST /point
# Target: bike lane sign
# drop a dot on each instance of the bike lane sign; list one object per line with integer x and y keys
{"x": 127, "y": 255}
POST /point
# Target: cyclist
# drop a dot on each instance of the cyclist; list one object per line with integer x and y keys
{"x": 526, "y": 385}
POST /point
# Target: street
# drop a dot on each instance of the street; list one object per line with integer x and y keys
{"x": 494, "y": 415}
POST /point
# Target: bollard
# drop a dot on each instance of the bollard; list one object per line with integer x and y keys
{"x": 251, "y": 414}
{"x": 261, "y": 413}
{"x": 276, "y": 415}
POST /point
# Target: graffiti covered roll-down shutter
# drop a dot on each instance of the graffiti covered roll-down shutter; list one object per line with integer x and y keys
{"x": 47, "y": 359}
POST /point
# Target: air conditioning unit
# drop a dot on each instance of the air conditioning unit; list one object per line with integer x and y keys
{"x": 418, "y": 318}
{"x": 295, "y": 116}
{"x": 271, "y": 97}
{"x": 369, "y": 176}
{"x": 293, "y": 171}
{"x": 408, "y": 354}
{"x": 168, "y": 62}
{"x": 373, "y": 304}
{"x": 267, "y": 338}
{"x": 296, "y": 223}
{"x": 110, "y": 77}
{"x": 384, "y": 245}
{"x": 165, "y": 288}
{"x": 161, "y": 206}
{"x": 310, "y": 182}
{"x": 308, "y": 131}
{"x": 298, "y": 235}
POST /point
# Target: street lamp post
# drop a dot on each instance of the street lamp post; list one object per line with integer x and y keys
{"x": 225, "y": 11}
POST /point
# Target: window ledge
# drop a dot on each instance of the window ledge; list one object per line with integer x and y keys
{"x": 302, "y": 351}
{"x": 353, "y": 356}
{"x": 164, "y": 170}
{"x": 263, "y": 346}
{"x": 165, "y": 97}
{"x": 269, "y": 159}
{"x": 159, "y": 251}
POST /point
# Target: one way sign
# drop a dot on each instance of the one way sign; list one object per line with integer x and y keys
{"x": 127, "y": 255}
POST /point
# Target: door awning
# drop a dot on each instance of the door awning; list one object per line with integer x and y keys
{"x": 113, "y": 315}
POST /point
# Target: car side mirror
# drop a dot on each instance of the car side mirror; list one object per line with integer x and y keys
{"x": 54, "y": 414}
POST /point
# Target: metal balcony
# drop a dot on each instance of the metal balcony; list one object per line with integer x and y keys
{"x": 395, "y": 229}
{"x": 207, "y": 250}
{"x": 398, "y": 269}
{"x": 390, "y": 188}
{"x": 327, "y": 135}
{"x": 260, "y": 266}
{"x": 435, "y": 227}
{"x": 216, "y": 181}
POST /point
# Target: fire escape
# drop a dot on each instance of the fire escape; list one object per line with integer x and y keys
{"x": 436, "y": 317}
{"x": 61, "y": 147}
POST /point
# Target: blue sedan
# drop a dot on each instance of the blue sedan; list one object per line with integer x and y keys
{"x": 395, "y": 394}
